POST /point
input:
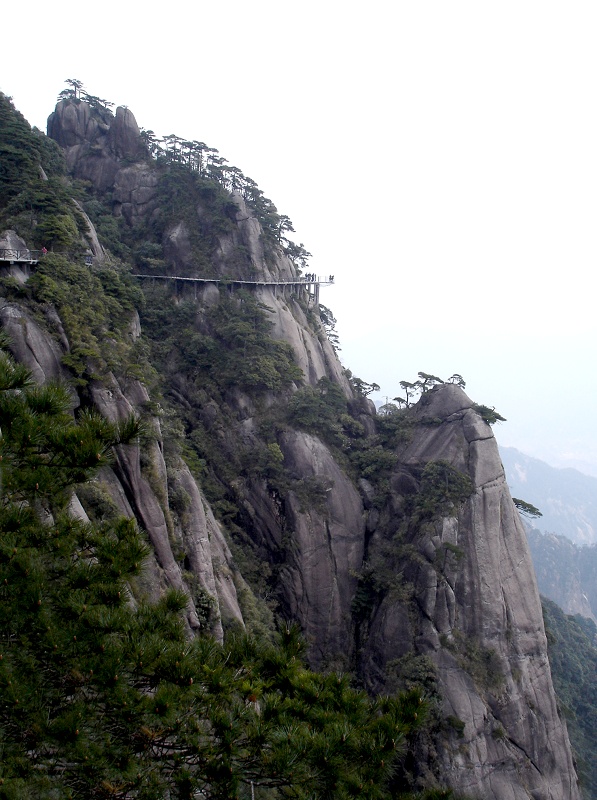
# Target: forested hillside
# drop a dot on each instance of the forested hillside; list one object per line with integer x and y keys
{"x": 190, "y": 476}
{"x": 573, "y": 657}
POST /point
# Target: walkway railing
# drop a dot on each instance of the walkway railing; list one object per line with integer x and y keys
{"x": 302, "y": 281}
{"x": 29, "y": 256}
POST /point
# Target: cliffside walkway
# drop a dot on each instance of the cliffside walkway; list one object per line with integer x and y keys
{"x": 311, "y": 283}
{"x": 21, "y": 256}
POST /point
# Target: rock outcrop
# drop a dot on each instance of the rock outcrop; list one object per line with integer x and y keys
{"x": 106, "y": 150}
{"x": 479, "y": 619}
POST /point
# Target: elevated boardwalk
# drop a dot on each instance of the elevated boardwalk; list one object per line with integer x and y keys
{"x": 310, "y": 282}
{"x": 21, "y": 256}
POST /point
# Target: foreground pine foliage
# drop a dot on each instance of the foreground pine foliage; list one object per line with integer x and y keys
{"x": 104, "y": 695}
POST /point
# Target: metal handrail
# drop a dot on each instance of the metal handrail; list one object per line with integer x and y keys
{"x": 302, "y": 281}
{"x": 10, "y": 254}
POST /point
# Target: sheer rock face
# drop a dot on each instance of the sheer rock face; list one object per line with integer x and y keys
{"x": 30, "y": 345}
{"x": 99, "y": 147}
{"x": 148, "y": 494}
{"x": 326, "y": 550}
{"x": 479, "y": 620}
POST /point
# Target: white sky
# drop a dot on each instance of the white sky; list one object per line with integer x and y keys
{"x": 438, "y": 157}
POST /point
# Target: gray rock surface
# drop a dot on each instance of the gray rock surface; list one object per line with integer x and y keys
{"x": 146, "y": 493}
{"x": 96, "y": 144}
{"x": 326, "y": 548}
{"x": 31, "y": 345}
{"x": 135, "y": 192}
{"x": 480, "y": 620}
{"x": 97, "y": 250}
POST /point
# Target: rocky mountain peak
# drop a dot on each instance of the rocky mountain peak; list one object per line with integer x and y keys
{"x": 467, "y": 601}
{"x": 94, "y": 140}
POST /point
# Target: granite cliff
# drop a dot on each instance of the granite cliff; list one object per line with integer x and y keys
{"x": 267, "y": 484}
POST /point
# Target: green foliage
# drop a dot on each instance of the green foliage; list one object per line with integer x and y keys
{"x": 237, "y": 351}
{"x": 318, "y": 410}
{"x": 414, "y": 671}
{"x": 98, "y": 697}
{"x": 77, "y": 92}
{"x": 374, "y": 461}
{"x": 22, "y": 150}
{"x": 95, "y": 308}
{"x": 312, "y": 492}
{"x": 394, "y": 428}
{"x": 527, "y": 509}
{"x": 197, "y": 172}
{"x": 40, "y": 460}
{"x": 112, "y": 231}
{"x": 97, "y": 502}
{"x": 38, "y": 207}
{"x": 59, "y": 232}
{"x": 362, "y": 387}
{"x": 457, "y": 724}
{"x": 242, "y": 353}
{"x": 182, "y": 192}
{"x": 489, "y": 415}
{"x": 427, "y": 382}
{"x": 383, "y": 576}
{"x": 328, "y": 320}
{"x": 482, "y": 663}
{"x": 369, "y": 591}
{"x": 573, "y": 660}
{"x": 442, "y": 490}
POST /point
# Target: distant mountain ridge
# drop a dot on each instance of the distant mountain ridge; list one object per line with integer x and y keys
{"x": 566, "y": 573}
{"x": 566, "y": 498}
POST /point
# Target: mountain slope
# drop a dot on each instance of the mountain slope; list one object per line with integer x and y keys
{"x": 264, "y": 480}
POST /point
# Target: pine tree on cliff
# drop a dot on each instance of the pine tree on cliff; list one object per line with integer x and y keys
{"x": 103, "y": 696}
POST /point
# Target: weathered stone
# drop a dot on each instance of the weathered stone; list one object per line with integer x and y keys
{"x": 97, "y": 250}
{"x": 177, "y": 246}
{"x": 485, "y": 597}
{"x": 135, "y": 191}
{"x": 125, "y": 140}
{"x": 327, "y": 538}
{"x": 203, "y": 539}
{"x": 31, "y": 345}
{"x": 96, "y": 143}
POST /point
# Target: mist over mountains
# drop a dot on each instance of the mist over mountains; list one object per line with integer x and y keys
{"x": 566, "y": 498}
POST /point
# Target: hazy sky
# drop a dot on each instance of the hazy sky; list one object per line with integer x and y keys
{"x": 439, "y": 158}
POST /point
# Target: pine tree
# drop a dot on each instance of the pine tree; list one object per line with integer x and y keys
{"x": 101, "y": 696}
